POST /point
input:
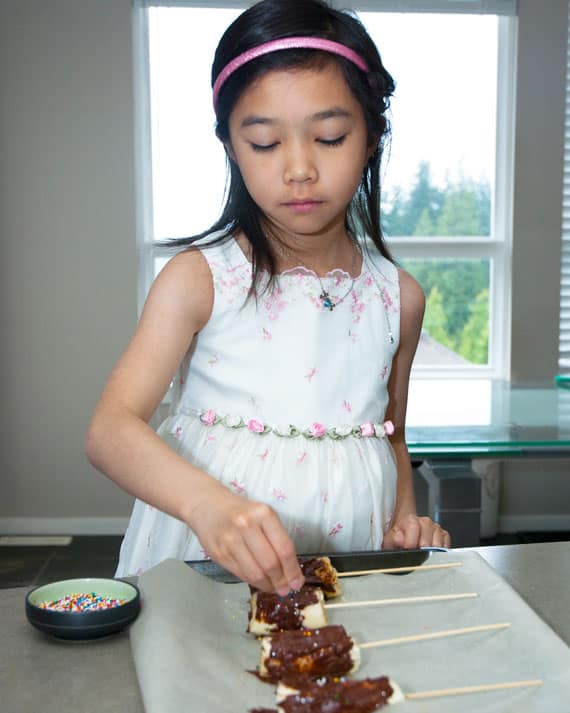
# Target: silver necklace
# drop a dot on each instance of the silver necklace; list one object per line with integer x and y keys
{"x": 327, "y": 302}
{"x": 325, "y": 298}
{"x": 372, "y": 269}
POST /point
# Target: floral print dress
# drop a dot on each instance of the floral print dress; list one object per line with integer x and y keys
{"x": 283, "y": 401}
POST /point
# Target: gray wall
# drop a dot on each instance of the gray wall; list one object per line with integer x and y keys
{"x": 539, "y": 146}
{"x": 68, "y": 270}
{"x": 68, "y": 282}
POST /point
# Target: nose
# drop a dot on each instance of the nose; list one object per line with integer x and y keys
{"x": 299, "y": 166}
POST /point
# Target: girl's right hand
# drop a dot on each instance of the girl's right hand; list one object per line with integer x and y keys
{"x": 247, "y": 538}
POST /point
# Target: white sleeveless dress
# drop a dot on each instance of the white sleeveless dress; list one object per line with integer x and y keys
{"x": 283, "y": 401}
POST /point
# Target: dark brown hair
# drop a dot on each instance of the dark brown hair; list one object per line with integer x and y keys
{"x": 274, "y": 19}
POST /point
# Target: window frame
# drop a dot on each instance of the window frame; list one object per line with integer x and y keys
{"x": 497, "y": 248}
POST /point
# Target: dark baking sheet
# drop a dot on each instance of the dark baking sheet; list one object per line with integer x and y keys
{"x": 342, "y": 562}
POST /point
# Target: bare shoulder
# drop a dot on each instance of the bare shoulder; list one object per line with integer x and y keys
{"x": 186, "y": 267}
{"x": 412, "y": 304}
{"x": 178, "y": 305}
{"x": 184, "y": 286}
{"x": 412, "y": 297}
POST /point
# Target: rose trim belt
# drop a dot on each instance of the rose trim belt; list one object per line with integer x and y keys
{"x": 315, "y": 432}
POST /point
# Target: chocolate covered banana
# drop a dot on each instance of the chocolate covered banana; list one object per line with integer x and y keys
{"x": 302, "y": 694}
{"x": 297, "y": 610}
{"x": 316, "y": 652}
{"x": 319, "y": 572}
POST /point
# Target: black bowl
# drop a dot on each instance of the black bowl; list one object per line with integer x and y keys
{"x": 86, "y": 624}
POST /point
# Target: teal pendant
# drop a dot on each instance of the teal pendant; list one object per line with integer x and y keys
{"x": 326, "y": 301}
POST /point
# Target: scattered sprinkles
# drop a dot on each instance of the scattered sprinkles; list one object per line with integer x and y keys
{"x": 82, "y": 602}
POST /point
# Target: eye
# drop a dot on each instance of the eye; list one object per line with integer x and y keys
{"x": 333, "y": 142}
{"x": 262, "y": 147}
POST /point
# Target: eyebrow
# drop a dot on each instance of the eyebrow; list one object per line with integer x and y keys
{"x": 333, "y": 113}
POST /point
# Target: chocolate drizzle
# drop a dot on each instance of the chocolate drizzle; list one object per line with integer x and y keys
{"x": 311, "y": 651}
{"x": 319, "y": 572}
{"x": 284, "y": 612}
{"x": 336, "y": 695}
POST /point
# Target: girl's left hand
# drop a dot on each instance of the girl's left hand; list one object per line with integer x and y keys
{"x": 411, "y": 532}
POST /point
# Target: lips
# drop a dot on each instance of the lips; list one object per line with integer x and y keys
{"x": 304, "y": 205}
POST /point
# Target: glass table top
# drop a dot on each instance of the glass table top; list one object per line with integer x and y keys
{"x": 483, "y": 417}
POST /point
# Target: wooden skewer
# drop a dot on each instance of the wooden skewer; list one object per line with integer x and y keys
{"x": 434, "y": 635}
{"x": 401, "y": 600}
{"x": 400, "y": 569}
{"x": 473, "y": 689}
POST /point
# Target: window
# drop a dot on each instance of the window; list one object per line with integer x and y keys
{"x": 447, "y": 182}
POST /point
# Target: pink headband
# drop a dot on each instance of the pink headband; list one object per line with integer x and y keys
{"x": 287, "y": 43}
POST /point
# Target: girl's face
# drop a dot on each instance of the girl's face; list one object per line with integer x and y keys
{"x": 300, "y": 140}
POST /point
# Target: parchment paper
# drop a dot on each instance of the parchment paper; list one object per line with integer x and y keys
{"x": 191, "y": 651}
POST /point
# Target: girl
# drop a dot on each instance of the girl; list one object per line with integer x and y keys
{"x": 290, "y": 327}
